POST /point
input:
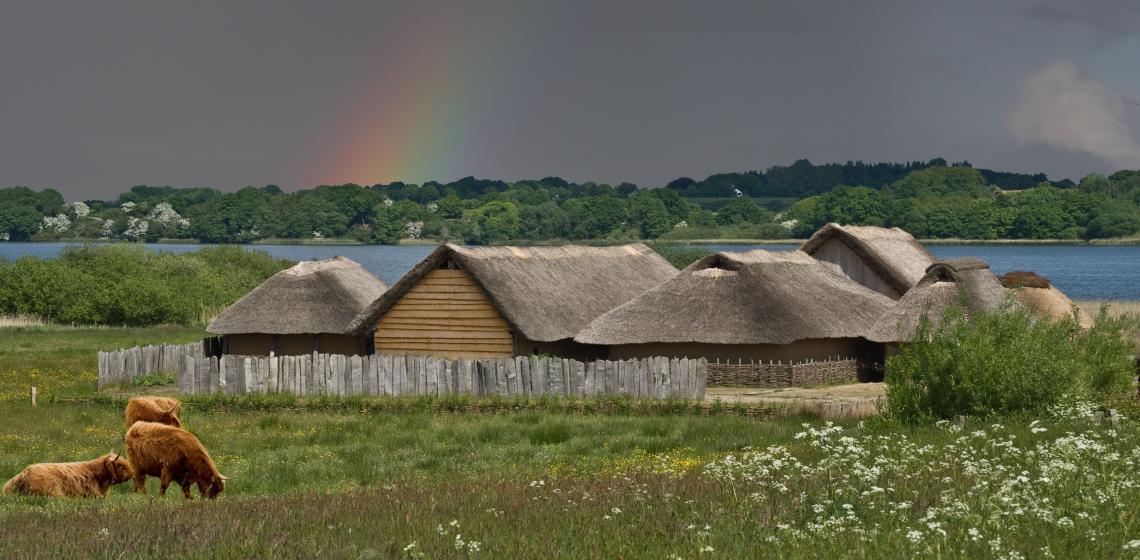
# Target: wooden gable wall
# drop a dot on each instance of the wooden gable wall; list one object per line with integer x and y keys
{"x": 841, "y": 259}
{"x": 448, "y": 315}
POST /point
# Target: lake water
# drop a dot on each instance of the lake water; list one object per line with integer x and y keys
{"x": 1082, "y": 271}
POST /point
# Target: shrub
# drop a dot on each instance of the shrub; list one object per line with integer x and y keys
{"x": 1006, "y": 362}
{"x": 128, "y": 285}
{"x": 680, "y": 257}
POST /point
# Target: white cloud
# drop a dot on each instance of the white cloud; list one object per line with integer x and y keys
{"x": 1061, "y": 107}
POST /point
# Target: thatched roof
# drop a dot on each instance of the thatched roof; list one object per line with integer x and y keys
{"x": 1044, "y": 299}
{"x": 545, "y": 293}
{"x": 309, "y": 298}
{"x": 758, "y": 297}
{"x": 892, "y": 253}
{"x": 966, "y": 281}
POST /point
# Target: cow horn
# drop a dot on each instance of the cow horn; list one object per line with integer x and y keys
{"x": 223, "y": 477}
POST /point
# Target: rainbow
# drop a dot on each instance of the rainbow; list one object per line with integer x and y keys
{"x": 413, "y": 121}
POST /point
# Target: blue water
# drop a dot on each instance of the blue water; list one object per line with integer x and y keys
{"x": 1082, "y": 271}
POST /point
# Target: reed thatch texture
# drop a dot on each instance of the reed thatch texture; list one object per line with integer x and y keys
{"x": 312, "y": 297}
{"x": 757, "y": 297}
{"x": 545, "y": 293}
{"x": 1045, "y": 300}
{"x": 968, "y": 282}
{"x": 895, "y": 255}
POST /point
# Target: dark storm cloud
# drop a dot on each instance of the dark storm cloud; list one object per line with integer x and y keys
{"x": 97, "y": 97}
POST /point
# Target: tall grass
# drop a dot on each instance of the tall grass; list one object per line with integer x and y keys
{"x": 129, "y": 285}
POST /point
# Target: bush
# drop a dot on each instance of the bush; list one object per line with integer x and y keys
{"x": 128, "y": 285}
{"x": 1006, "y": 362}
{"x": 680, "y": 257}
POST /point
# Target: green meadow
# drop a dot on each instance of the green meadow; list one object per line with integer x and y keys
{"x": 421, "y": 479}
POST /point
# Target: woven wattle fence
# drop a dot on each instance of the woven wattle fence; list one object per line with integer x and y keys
{"x": 389, "y": 375}
{"x": 770, "y": 375}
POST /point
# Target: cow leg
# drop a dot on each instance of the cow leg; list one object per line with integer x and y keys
{"x": 186, "y": 484}
{"x": 140, "y": 483}
{"x": 165, "y": 481}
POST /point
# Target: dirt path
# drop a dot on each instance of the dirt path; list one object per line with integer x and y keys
{"x": 858, "y": 400}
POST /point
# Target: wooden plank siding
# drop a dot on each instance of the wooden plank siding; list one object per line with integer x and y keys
{"x": 841, "y": 259}
{"x": 447, "y": 315}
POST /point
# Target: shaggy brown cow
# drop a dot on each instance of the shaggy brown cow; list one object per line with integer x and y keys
{"x": 163, "y": 410}
{"x": 86, "y": 479}
{"x": 172, "y": 454}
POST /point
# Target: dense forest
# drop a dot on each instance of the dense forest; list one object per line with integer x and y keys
{"x": 931, "y": 199}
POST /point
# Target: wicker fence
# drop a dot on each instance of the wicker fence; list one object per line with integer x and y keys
{"x": 386, "y": 375}
{"x": 772, "y": 375}
{"x": 123, "y": 366}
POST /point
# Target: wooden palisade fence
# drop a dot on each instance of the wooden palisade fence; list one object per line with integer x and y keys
{"x": 122, "y": 366}
{"x": 390, "y": 375}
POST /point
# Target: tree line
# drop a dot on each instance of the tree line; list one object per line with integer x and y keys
{"x": 930, "y": 199}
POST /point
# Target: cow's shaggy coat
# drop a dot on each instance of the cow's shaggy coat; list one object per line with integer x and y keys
{"x": 163, "y": 410}
{"x": 172, "y": 454}
{"x": 85, "y": 479}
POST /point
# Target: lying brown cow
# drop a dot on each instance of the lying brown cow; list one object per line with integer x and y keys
{"x": 163, "y": 410}
{"x": 172, "y": 454}
{"x": 86, "y": 479}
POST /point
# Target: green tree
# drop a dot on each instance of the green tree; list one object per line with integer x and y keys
{"x": 545, "y": 221}
{"x": 498, "y": 221}
{"x": 391, "y": 222}
{"x": 855, "y": 205}
{"x": 592, "y": 217}
{"x": 238, "y": 217}
{"x": 941, "y": 181}
{"x": 740, "y": 210}
{"x": 1117, "y": 222}
{"x": 450, "y": 207}
{"x": 649, "y": 215}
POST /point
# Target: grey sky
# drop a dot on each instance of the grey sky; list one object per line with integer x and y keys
{"x": 98, "y": 96}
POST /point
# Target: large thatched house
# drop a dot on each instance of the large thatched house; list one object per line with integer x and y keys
{"x": 1043, "y": 298}
{"x": 968, "y": 283}
{"x": 303, "y": 309}
{"x": 504, "y": 301}
{"x": 757, "y": 305}
{"x": 889, "y": 261}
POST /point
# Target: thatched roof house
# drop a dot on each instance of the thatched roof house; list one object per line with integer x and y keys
{"x": 889, "y": 261}
{"x": 502, "y": 301}
{"x": 754, "y": 305}
{"x": 1044, "y": 299}
{"x": 968, "y": 282}
{"x": 301, "y": 309}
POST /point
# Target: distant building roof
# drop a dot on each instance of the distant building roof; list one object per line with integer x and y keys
{"x": 545, "y": 293}
{"x": 757, "y": 297}
{"x": 309, "y": 298}
{"x": 962, "y": 281}
{"x": 892, "y": 253}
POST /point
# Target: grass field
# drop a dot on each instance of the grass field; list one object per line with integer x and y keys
{"x": 351, "y": 481}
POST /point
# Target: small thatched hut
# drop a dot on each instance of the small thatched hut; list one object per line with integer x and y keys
{"x": 1044, "y": 299}
{"x": 757, "y": 305}
{"x": 966, "y": 282}
{"x": 504, "y": 301}
{"x": 303, "y": 309}
{"x": 889, "y": 261}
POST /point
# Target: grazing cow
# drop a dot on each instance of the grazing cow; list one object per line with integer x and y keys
{"x": 163, "y": 410}
{"x": 86, "y": 479}
{"x": 172, "y": 454}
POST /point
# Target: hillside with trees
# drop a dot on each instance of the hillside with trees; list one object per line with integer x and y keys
{"x": 931, "y": 199}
